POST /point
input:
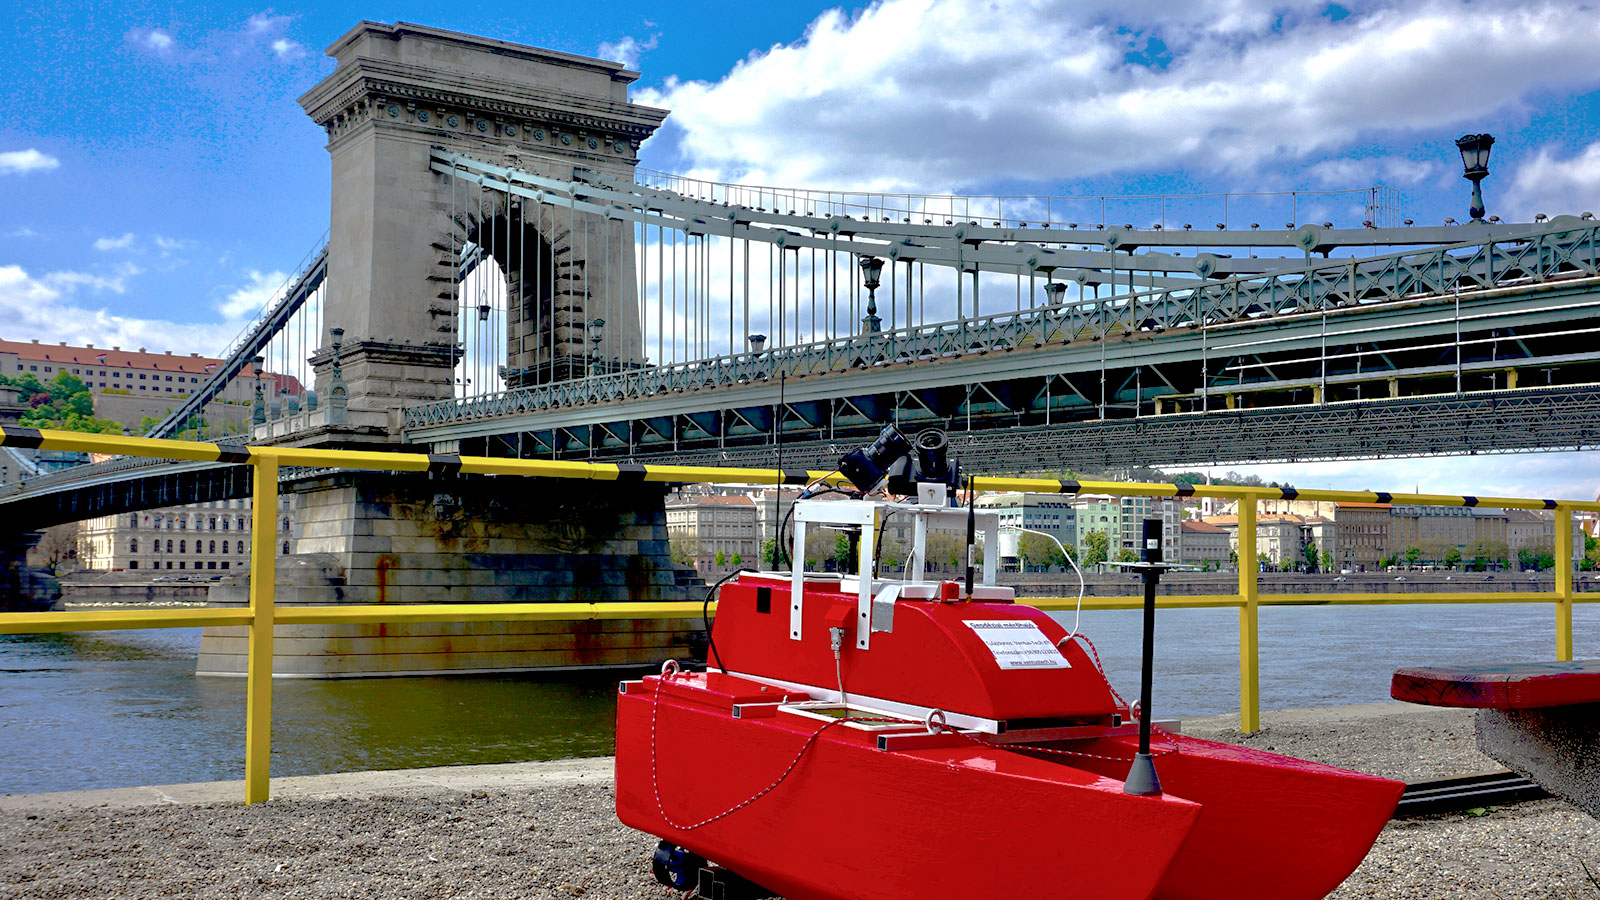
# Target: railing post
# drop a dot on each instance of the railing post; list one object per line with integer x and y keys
{"x": 1564, "y": 593}
{"x": 1249, "y": 643}
{"x": 258, "y": 678}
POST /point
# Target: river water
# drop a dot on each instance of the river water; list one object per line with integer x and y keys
{"x": 124, "y": 708}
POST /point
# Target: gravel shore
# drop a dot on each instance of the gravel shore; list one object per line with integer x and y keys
{"x": 532, "y": 832}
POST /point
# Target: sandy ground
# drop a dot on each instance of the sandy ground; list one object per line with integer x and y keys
{"x": 542, "y": 830}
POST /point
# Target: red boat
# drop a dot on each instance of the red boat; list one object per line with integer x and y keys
{"x": 957, "y": 744}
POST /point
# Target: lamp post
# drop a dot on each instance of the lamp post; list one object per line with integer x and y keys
{"x": 757, "y": 342}
{"x": 596, "y": 334}
{"x": 1475, "y": 165}
{"x": 258, "y": 412}
{"x": 871, "y": 272}
{"x": 1055, "y": 291}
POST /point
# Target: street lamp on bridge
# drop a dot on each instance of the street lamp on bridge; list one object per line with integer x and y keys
{"x": 258, "y": 411}
{"x": 596, "y": 334}
{"x": 871, "y": 273}
{"x": 1056, "y": 291}
{"x": 1475, "y": 164}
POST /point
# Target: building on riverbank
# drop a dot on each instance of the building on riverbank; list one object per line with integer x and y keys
{"x": 211, "y": 538}
{"x": 131, "y": 385}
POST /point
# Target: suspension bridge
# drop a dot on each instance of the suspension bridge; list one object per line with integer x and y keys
{"x": 501, "y": 278}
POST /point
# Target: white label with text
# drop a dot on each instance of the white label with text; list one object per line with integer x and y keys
{"x": 1018, "y": 644}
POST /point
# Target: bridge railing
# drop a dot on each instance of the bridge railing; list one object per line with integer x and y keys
{"x": 262, "y": 614}
{"x": 1561, "y": 252}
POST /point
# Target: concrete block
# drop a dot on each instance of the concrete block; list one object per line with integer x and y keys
{"x": 1558, "y": 748}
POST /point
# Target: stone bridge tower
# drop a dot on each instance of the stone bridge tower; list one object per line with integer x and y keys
{"x": 397, "y": 228}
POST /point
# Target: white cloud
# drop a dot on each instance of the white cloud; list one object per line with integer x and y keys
{"x": 23, "y": 232}
{"x": 1556, "y": 185}
{"x": 170, "y": 245}
{"x": 1561, "y": 476}
{"x": 264, "y": 23}
{"x": 283, "y": 48}
{"x": 117, "y": 243}
{"x": 247, "y": 300}
{"x": 934, "y": 94}
{"x": 1392, "y": 170}
{"x": 154, "y": 40}
{"x": 16, "y": 162}
{"x": 627, "y": 50}
{"x": 49, "y": 308}
{"x": 116, "y": 283}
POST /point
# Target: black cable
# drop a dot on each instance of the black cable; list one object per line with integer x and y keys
{"x": 783, "y": 525}
{"x": 877, "y": 546}
{"x": 705, "y": 612}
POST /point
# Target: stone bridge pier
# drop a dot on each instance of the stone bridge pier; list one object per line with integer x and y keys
{"x": 399, "y": 230}
{"x": 401, "y": 234}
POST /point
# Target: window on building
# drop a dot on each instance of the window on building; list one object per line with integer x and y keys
{"x": 224, "y": 564}
{"x": 133, "y": 545}
{"x": 285, "y": 548}
{"x": 141, "y": 376}
{"x": 211, "y": 565}
{"x": 240, "y": 522}
{"x": 240, "y": 546}
{"x": 213, "y": 525}
{"x": 182, "y": 564}
{"x": 133, "y": 564}
{"x": 285, "y": 523}
{"x": 133, "y": 521}
{"x": 211, "y": 546}
{"x": 169, "y": 547}
{"x": 224, "y": 523}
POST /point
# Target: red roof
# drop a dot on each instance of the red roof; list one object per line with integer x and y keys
{"x": 1203, "y": 527}
{"x": 115, "y": 357}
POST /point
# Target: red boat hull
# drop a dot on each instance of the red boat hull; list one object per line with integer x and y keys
{"x": 1027, "y": 801}
{"x": 851, "y": 822}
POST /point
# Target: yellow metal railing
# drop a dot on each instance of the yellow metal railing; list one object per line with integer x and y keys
{"x": 262, "y": 614}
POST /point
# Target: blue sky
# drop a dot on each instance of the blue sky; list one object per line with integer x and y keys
{"x": 158, "y": 179}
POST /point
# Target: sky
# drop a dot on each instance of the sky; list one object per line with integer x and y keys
{"x": 158, "y": 180}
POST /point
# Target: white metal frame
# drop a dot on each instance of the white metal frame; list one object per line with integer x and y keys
{"x": 866, "y": 515}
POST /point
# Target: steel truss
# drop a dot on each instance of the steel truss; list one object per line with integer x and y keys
{"x": 1529, "y": 420}
{"x": 1523, "y": 257}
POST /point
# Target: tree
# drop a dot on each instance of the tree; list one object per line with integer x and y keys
{"x": 841, "y": 552}
{"x": 63, "y": 403}
{"x": 769, "y": 549}
{"x": 1452, "y": 557}
{"x": 1126, "y": 554}
{"x": 722, "y": 560}
{"x": 59, "y": 544}
{"x": 737, "y": 560}
{"x": 1264, "y": 562}
{"x": 943, "y": 549}
{"x": 1412, "y": 555}
{"x": 1310, "y": 552}
{"x": 1039, "y": 550}
{"x": 1096, "y": 548}
{"x": 685, "y": 549}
